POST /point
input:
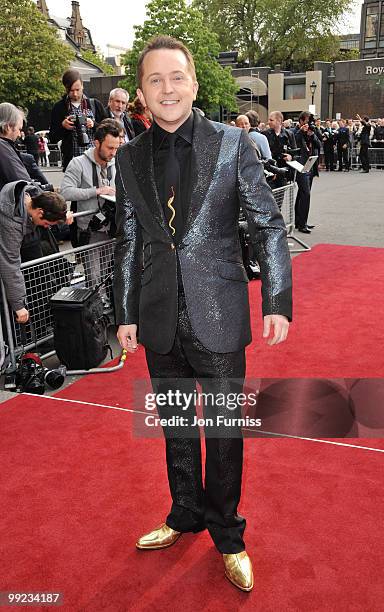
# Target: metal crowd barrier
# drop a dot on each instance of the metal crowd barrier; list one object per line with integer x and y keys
{"x": 86, "y": 266}
{"x": 285, "y": 199}
{"x": 375, "y": 156}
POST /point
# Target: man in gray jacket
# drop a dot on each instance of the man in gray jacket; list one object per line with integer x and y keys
{"x": 19, "y": 213}
{"x": 89, "y": 180}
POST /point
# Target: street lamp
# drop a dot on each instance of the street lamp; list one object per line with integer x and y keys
{"x": 312, "y": 89}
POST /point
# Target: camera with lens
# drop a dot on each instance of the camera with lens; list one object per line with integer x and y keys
{"x": 31, "y": 376}
{"x": 311, "y": 123}
{"x": 80, "y": 122}
{"x": 105, "y": 216}
{"x": 35, "y": 188}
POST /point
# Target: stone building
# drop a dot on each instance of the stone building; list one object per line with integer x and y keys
{"x": 72, "y": 31}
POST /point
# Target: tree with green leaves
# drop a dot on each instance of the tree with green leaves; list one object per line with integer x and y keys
{"x": 269, "y": 32}
{"x": 174, "y": 18}
{"x": 98, "y": 60}
{"x": 32, "y": 58}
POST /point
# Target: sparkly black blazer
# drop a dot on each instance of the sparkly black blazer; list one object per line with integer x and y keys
{"x": 225, "y": 176}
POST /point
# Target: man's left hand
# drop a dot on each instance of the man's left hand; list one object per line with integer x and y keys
{"x": 90, "y": 123}
{"x": 279, "y": 324}
{"x": 70, "y": 219}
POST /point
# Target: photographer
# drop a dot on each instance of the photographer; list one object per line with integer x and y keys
{"x": 281, "y": 142}
{"x": 309, "y": 144}
{"x": 20, "y": 212}
{"x": 74, "y": 118}
{"x": 87, "y": 179}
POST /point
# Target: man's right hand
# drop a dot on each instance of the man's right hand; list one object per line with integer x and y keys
{"x": 68, "y": 124}
{"x": 106, "y": 190}
{"x": 127, "y": 337}
{"x": 22, "y": 315}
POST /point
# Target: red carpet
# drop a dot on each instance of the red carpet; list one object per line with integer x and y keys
{"x": 337, "y": 331}
{"x": 77, "y": 488}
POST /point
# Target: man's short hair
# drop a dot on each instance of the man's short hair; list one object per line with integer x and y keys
{"x": 277, "y": 115}
{"x": 253, "y": 117}
{"x": 70, "y": 77}
{"x": 9, "y": 116}
{"x": 107, "y": 127}
{"x": 53, "y": 205}
{"x": 164, "y": 42}
{"x": 118, "y": 90}
{"x": 304, "y": 115}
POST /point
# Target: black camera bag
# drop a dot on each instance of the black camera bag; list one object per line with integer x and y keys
{"x": 80, "y": 328}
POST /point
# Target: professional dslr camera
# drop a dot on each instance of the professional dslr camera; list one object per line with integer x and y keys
{"x": 35, "y": 188}
{"x": 80, "y": 123}
{"x": 311, "y": 123}
{"x": 105, "y": 216}
{"x": 31, "y": 376}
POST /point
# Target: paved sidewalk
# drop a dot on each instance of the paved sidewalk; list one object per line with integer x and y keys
{"x": 346, "y": 207}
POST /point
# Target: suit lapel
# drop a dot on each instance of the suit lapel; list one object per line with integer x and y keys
{"x": 206, "y": 145}
{"x": 142, "y": 163}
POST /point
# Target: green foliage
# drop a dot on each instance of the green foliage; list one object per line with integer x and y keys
{"x": 98, "y": 60}
{"x": 173, "y": 17}
{"x": 269, "y": 32}
{"x": 32, "y": 58}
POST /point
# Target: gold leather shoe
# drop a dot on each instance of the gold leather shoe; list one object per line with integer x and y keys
{"x": 238, "y": 569}
{"x": 160, "y": 537}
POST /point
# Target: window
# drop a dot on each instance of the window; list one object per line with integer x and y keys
{"x": 371, "y": 25}
{"x": 295, "y": 91}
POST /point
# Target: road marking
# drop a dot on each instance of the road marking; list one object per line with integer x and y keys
{"x": 271, "y": 433}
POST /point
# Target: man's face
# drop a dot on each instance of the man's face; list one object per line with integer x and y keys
{"x": 37, "y": 216}
{"x": 14, "y": 131}
{"x": 243, "y": 122}
{"x": 76, "y": 92}
{"x": 274, "y": 122}
{"x": 168, "y": 88}
{"x": 107, "y": 149}
{"x": 118, "y": 104}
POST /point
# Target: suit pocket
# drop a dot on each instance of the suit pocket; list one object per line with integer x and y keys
{"x": 232, "y": 270}
{"x": 146, "y": 275}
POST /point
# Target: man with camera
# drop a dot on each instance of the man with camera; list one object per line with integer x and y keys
{"x": 309, "y": 144}
{"x": 20, "y": 213}
{"x": 74, "y": 118}
{"x": 282, "y": 144}
{"x": 90, "y": 181}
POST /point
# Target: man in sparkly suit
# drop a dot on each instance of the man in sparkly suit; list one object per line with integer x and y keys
{"x": 181, "y": 288}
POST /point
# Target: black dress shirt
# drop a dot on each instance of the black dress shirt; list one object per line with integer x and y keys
{"x": 183, "y": 149}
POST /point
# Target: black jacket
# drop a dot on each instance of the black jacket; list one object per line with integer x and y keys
{"x": 225, "y": 175}
{"x": 127, "y": 122}
{"x": 365, "y": 134}
{"x": 280, "y": 144}
{"x": 57, "y": 132}
{"x": 11, "y": 165}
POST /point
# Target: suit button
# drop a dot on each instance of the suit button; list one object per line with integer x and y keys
{"x": 173, "y": 246}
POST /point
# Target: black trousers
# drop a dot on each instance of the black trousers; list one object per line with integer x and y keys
{"x": 364, "y": 156}
{"x": 343, "y": 158}
{"x": 195, "y": 506}
{"x": 303, "y": 198}
{"x": 329, "y": 157}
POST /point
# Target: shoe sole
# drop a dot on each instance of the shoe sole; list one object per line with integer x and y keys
{"x": 158, "y": 547}
{"x": 245, "y": 589}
